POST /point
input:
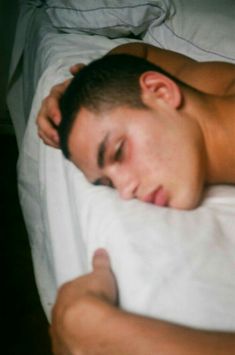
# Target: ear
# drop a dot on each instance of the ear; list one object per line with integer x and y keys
{"x": 156, "y": 86}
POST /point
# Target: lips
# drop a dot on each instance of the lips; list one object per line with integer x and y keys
{"x": 157, "y": 197}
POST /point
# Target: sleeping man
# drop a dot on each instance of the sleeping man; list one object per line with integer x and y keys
{"x": 166, "y": 161}
{"x": 154, "y": 136}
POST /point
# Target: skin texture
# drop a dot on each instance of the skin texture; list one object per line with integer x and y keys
{"x": 174, "y": 180}
{"x": 138, "y": 162}
{"x": 163, "y": 154}
{"x": 86, "y": 318}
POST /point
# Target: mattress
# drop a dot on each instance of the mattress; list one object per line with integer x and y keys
{"x": 174, "y": 265}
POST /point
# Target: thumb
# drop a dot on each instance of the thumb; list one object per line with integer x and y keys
{"x": 101, "y": 260}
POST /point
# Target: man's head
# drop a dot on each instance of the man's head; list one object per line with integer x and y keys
{"x": 122, "y": 125}
{"x": 102, "y": 86}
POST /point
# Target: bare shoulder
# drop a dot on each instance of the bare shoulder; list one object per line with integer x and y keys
{"x": 216, "y": 78}
{"x": 212, "y": 77}
{"x": 170, "y": 61}
{"x": 137, "y": 49}
{"x": 173, "y": 62}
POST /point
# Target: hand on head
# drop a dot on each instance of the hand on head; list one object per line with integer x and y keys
{"x": 49, "y": 115}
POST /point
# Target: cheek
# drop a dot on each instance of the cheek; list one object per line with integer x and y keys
{"x": 145, "y": 158}
{"x": 154, "y": 153}
{"x": 161, "y": 161}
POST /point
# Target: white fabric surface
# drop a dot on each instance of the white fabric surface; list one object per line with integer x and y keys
{"x": 32, "y": 176}
{"x": 115, "y": 18}
{"x": 202, "y": 29}
{"x": 174, "y": 265}
{"x": 15, "y": 98}
{"x": 33, "y": 27}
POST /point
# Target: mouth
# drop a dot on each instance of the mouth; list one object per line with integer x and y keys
{"x": 158, "y": 197}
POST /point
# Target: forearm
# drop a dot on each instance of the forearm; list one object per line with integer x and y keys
{"x": 106, "y": 330}
{"x": 163, "y": 338}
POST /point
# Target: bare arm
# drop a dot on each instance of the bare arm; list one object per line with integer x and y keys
{"x": 86, "y": 320}
{"x": 127, "y": 334}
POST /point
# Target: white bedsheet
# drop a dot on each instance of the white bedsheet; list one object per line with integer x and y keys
{"x": 201, "y": 29}
{"x": 173, "y": 265}
{"x": 33, "y": 176}
{"x": 37, "y": 46}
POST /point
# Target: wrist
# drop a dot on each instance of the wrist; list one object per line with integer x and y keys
{"x": 85, "y": 323}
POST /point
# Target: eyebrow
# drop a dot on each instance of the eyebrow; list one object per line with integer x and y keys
{"x": 101, "y": 152}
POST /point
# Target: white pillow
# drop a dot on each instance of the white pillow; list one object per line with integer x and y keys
{"x": 174, "y": 265}
{"x": 201, "y": 29}
{"x": 109, "y": 18}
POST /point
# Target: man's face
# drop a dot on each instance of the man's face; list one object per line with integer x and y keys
{"x": 151, "y": 155}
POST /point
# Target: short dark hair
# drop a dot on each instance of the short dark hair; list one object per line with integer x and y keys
{"x": 104, "y": 84}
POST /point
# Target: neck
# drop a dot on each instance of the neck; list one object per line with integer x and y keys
{"x": 216, "y": 118}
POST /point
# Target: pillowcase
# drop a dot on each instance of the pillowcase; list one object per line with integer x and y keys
{"x": 107, "y": 18}
{"x": 199, "y": 28}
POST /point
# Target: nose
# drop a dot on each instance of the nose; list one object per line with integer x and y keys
{"x": 127, "y": 191}
{"x": 125, "y": 182}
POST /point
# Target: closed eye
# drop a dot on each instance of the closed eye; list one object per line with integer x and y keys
{"x": 103, "y": 181}
{"x": 119, "y": 152}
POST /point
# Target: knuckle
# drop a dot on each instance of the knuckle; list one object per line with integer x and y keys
{"x": 64, "y": 288}
{"x": 50, "y": 101}
{"x": 44, "y": 101}
{"x": 39, "y": 118}
{"x": 54, "y": 90}
{"x": 52, "y": 104}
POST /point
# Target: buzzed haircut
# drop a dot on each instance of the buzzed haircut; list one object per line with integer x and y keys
{"x": 103, "y": 85}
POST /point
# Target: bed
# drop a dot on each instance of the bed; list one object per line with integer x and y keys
{"x": 173, "y": 265}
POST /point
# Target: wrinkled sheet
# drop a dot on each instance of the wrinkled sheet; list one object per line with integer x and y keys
{"x": 169, "y": 264}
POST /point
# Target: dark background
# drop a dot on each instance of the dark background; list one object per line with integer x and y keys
{"x": 24, "y": 325}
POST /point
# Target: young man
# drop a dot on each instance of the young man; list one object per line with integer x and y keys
{"x": 180, "y": 133}
{"x": 174, "y": 137}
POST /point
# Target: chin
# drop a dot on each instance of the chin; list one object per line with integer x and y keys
{"x": 186, "y": 202}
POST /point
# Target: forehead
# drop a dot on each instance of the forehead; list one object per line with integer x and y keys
{"x": 85, "y": 135}
{"x": 88, "y": 133}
